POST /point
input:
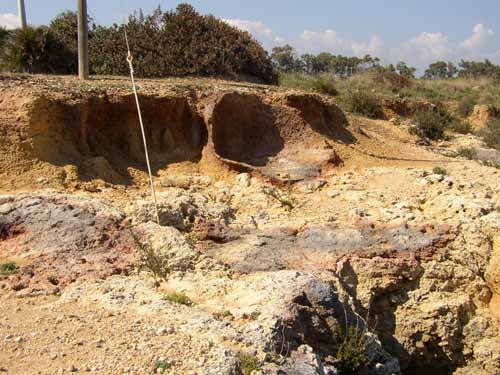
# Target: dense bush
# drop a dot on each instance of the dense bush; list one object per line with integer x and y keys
{"x": 325, "y": 84}
{"x": 392, "y": 79}
{"x": 35, "y": 50}
{"x": 174, "y": 43}
{"x": 180, "y": 43}
{"x": 365, "y": 104}
{"x": 466, "y": 106}
{"x": 491, "y": 133}
{"x": 460, "y": 126}
{"x": 4, "y": 33}
{"x": 431, "y": 123}
{"x": 65, "y": 29}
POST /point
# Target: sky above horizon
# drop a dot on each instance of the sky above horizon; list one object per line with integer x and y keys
{"x": 416, "y": 31}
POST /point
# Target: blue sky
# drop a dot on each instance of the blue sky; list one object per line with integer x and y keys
{"x": 416, "y": 31}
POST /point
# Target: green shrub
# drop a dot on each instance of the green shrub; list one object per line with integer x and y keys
{"x": 467, "y": 152}
{"x": 4, "y": 33}
{"x": 152, "y": 260}
{"x": 351, "y": 354}
{"x": 491, "y": 163}
{"x": 161, "y": 366}
{"x": 439, "y": 170}
{"x": 325, "y": 84}
{"x": 461, "y": 126}
{"x": 491, "y": 133}
{"x": 35, "y": 50}
{"x": 494, "y": 110}
{"x": 178, "y": 298}
{"x": 65, "y": 29}
{"x": 365, "y": 104}
{"x": 248, "y": 363}
{"x": 8, "y": 268}
{"x": 391, "y": 79}
{"x": 466, "y": 106}
{"x": 430, "y": 123}
{"x": 181, "y": 42}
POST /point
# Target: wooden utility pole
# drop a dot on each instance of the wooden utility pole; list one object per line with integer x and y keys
{"x": 22, "y": 13}
{"x": 83, "y": 40}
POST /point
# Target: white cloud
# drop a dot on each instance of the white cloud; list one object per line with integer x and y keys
{"x": 334, "y": 42}
{"x": 373, "y": 47}
{"x": 9, "y": 20}
{"x": 328, "y": 40}
{"x": 420, "y": 50}
{"x": 428, "y": 47}
{"x": 259, "y": 30}
{"x": 310, "y": 41}
{"x": 423, "y": 49}
{"x": 479, "y": 38}
{"x": 432, "y": 45}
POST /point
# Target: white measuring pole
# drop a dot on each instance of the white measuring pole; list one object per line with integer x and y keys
{"x": 131, "y": 66}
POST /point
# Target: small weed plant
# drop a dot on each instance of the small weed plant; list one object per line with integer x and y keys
{"x": 440, "y": 170}
{"x": 8, "y": 268}
{"x": 161, "y": 366}
{"x": 285, "y": 200}
{"x": 468, "y": 153}
{"x": 152, "y": 260}
{"x": 248, "y": 363}
{"x": 351, "y": 354}
{"x": 491, "y": 133}
{"x": 178, "y": 298}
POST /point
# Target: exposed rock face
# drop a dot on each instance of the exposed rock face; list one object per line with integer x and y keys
{"x": 276, "y": 139}
{"x": 107, "y": 127}
{"x": 404, "y": 107}
{"x": 63, "y": 238}
{"x": 480, "y": 116}
{"x": 181, "y": 209}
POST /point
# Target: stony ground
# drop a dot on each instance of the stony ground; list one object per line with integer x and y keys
{"x": 260, "y": 275}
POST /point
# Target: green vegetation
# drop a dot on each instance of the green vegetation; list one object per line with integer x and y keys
{"x": 8, "y": 268}
{"x": 321, "y": 83}
{"x": 441, "y": 70}
{"x": 161, "y": 366}
{"x": 460, "y": 126}
{"x": 466, "y": 106}
{"x": 34, "y": 50}
{"x": 285, "y": 200}
{"x": 365, "y": 104}
{"x": 226, "y": 314}
{"x": 4, "y": 33}
{"x": 248, "y": 363}
{"x": 174, "y": 43}
{"x": 491, "y": 163}
{"x": 351, "y": 354}
{"x": 152, "y": 260}
{"x": 439, "y": 170}
{"x": 491, "y": 133}
{"x": 468, "y": 153}
{"x": 178, "y": 298}
{"x": 430, "y": 124}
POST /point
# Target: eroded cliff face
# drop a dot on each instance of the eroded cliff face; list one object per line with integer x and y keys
{"x": 285, "y": 222}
